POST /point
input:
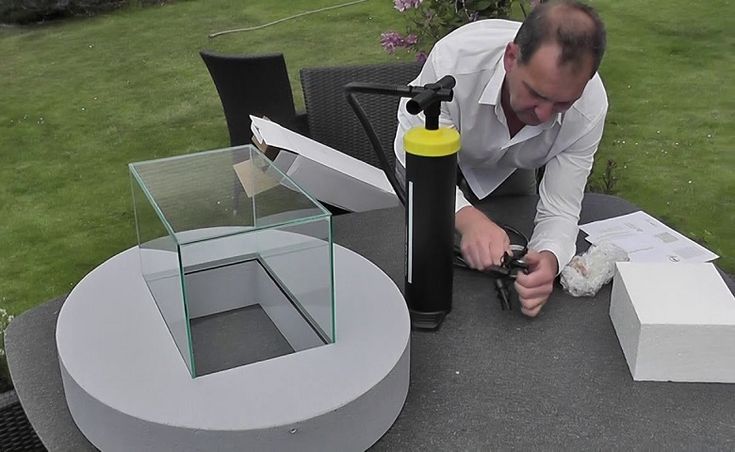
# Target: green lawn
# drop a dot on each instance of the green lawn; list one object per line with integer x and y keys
{"x": 82, "y": 98}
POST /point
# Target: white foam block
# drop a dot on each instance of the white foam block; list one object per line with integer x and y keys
{"x": 675, "y": 322}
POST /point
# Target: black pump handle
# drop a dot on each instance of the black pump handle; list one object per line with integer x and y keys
{"x": 423, "y": 97}
{"x": 440, "y": 91}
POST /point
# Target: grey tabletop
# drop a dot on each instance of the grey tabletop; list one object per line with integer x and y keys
{"x": 487, "y": 379}
{"x": 491, "y": 379}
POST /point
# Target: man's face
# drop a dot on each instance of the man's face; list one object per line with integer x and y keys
{"x": 541, "y": 88}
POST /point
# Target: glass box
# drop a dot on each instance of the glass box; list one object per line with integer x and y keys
{"x": 236, "y": 256}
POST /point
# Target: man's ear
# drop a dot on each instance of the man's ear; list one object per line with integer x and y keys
{"x": 511, "y": 55}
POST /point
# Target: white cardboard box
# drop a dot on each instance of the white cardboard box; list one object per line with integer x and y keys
{"x": 675, "y": 322}
{"x": 327, "y": 174}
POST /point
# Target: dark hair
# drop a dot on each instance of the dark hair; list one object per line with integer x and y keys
{"x": 574, "y": 26}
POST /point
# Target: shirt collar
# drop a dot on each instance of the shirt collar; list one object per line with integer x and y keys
{"x": 491, "y": 94}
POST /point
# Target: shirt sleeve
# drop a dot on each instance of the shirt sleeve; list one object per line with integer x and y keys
{"x": 560, "y": 196}
{"x": 430, "y": 73}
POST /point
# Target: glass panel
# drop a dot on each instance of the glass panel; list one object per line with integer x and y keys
{"x": 196, "y": 192}
{"x": 279, "y": 200}
{"x": 300, "y": 258}
{"x": 159, "y": 263}
{"x": 227, "y": 240}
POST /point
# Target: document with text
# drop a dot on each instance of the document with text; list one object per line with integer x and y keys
{"x": 646, "y": 239}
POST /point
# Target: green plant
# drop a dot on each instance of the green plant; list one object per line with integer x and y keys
{"x": 430, "y": 20}
{"x": 5, "y": 320}
{"x": 608, "y": 180}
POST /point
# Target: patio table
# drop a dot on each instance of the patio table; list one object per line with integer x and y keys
{"x": 487, "y": 379}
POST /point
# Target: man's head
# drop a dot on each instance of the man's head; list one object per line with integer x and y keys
{"x": 556, "y": 51}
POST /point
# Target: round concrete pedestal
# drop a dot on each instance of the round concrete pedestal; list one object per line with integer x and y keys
{"x": 128, "y": 388}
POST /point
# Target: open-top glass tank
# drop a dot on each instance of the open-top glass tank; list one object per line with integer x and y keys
{"x": 236, "y": 256}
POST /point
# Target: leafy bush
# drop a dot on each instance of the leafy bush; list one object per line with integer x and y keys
{"x": 607, "y": 182}
{"x": 5, "y": 320}
{"x": 430, "y": 20}
{"x": 28, "y": 11}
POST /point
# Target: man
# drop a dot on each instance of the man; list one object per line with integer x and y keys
{"x": 527, "y": 95}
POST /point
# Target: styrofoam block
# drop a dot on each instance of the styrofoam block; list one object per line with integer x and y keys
{"x": 675, "y": 322}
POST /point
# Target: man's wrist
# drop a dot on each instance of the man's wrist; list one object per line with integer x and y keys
{"x": 466, "y": 217}
{"x": 552, "y": 259}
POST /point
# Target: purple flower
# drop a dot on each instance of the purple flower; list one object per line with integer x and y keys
{"x": 402, "y": 5}
{"x": 391, "y": 40}
{"x": 421, "y": 57}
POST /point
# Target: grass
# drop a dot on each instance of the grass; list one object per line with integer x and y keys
{"x": 82, "y": 98}
{"x": 670, "y": 121}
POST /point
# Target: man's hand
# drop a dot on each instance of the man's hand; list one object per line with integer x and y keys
{"x": 483, "y": 242}
{"x": 535, "y": 286}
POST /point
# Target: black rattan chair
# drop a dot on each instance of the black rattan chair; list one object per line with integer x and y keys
{"x": 252, "y": 85}
{"x": 332, "y": 121}
{"x": 16, "y": 432}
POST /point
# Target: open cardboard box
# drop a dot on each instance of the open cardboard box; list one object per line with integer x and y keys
{"x": 327, "y": 174}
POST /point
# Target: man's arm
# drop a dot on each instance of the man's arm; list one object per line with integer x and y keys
{"x": 560, "y": 197}
{"x": 557, "y": 215}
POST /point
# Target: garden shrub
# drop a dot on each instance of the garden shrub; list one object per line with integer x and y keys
{"x": 427, "y": 21}
{"x": 29, "y": 11}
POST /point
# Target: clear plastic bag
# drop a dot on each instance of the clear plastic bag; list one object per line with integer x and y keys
{"x": 587, "y": 273}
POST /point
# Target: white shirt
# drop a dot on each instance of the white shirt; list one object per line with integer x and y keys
{"x": 566, "y": 144}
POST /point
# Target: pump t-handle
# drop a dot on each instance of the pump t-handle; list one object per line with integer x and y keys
{"x": 440, "y": 91}
{"x": 446, "y": 82}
